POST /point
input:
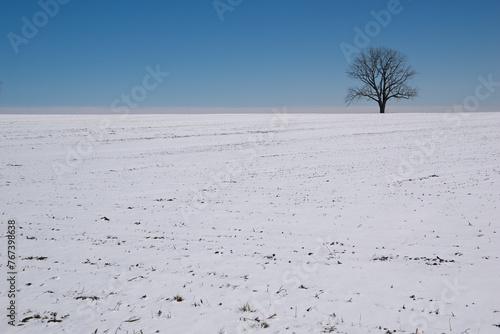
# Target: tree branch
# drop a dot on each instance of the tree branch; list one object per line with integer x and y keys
{"x": 384, "y": 74}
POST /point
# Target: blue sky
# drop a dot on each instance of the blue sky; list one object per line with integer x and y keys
{"x": 263, "y": 53}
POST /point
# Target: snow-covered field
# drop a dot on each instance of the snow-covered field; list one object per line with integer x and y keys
{"x": 270, "y": 223}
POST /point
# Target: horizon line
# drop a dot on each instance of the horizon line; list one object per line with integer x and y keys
{"x": 91, "y": 110}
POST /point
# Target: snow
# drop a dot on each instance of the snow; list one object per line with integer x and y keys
{"x": 321, "y": 223}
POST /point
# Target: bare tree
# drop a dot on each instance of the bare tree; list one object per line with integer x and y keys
{"x": 385, "y": 75}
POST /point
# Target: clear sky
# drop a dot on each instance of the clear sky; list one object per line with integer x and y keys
{"x": 261, "y": 53}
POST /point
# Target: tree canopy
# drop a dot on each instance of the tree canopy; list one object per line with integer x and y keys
{"x": 385, "y": 75}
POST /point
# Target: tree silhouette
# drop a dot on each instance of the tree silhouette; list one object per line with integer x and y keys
{"x": 385, "y": 75}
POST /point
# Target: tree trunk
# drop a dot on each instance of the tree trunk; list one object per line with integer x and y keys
{"x": 382, "y": 107}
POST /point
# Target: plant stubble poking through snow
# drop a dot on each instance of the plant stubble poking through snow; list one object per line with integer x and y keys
{"x": 221, "y": 178}
{"x": 308, "y": 236}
